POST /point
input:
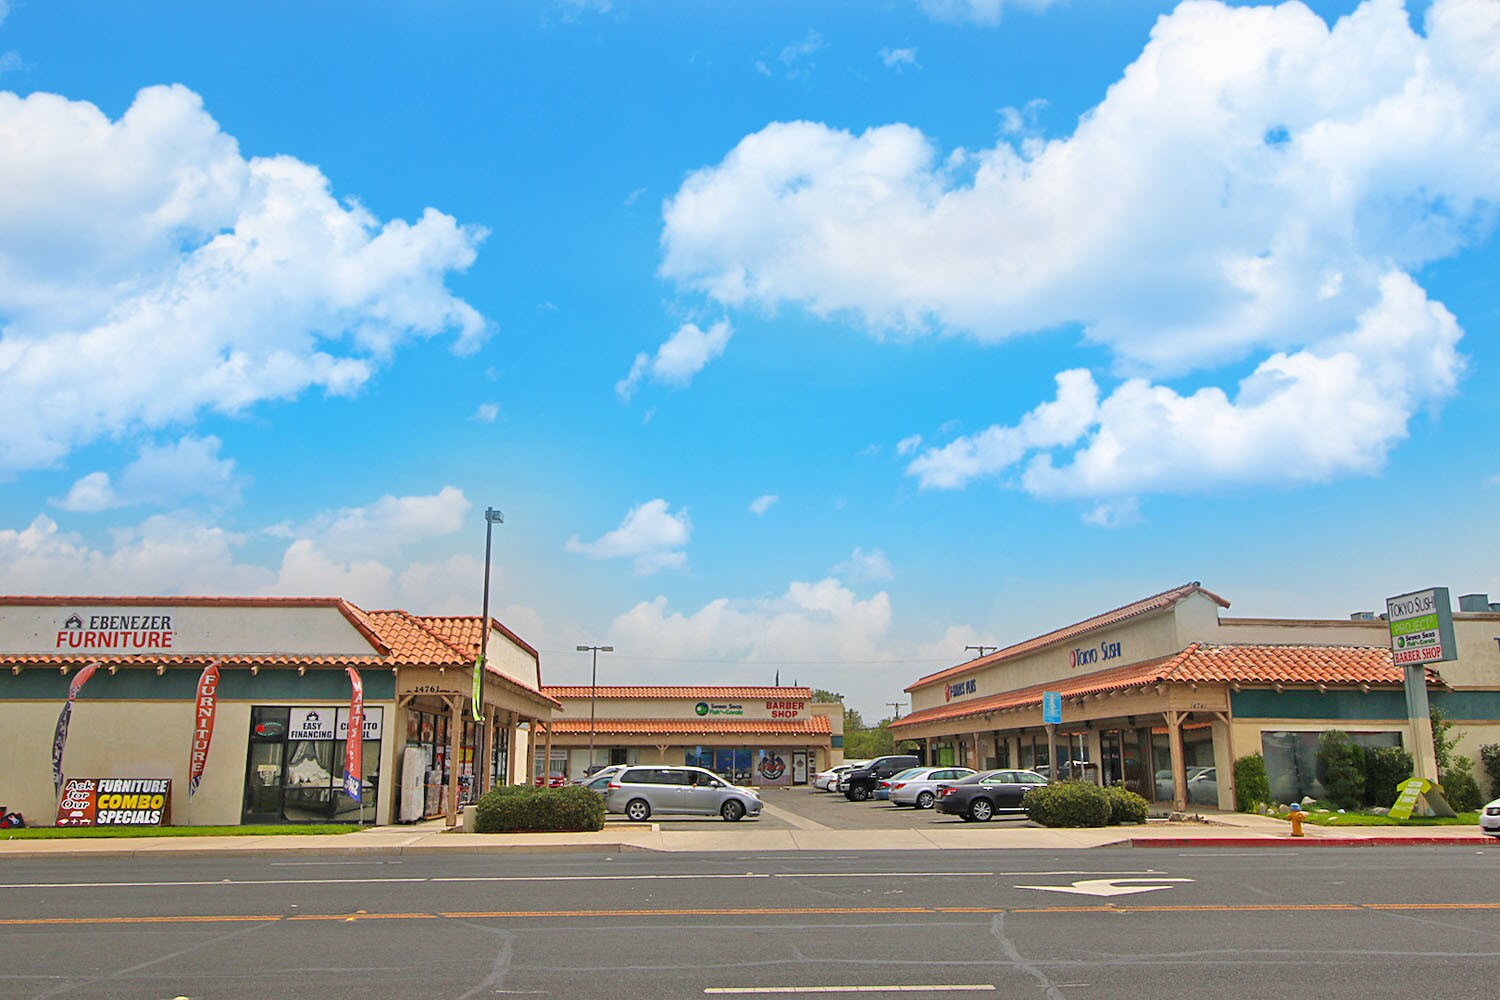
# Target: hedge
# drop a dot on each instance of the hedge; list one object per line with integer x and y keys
{"x": 522, "y": 809}
{"x": 1385, "y": 768}
{"x": 1343, "y": 767}
{"x": 1125, "y": 806}
{"x": 1067, "y": 803}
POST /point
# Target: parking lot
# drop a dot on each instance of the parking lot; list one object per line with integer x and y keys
{"x": 802, "y": 808}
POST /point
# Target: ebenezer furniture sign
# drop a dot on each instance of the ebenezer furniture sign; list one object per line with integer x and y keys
{"x": 114, "y": 802}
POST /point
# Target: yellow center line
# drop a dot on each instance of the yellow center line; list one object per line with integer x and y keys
{"x": 738, "y": 912}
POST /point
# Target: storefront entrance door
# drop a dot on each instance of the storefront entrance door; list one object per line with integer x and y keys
{"x": 799, "y": 767}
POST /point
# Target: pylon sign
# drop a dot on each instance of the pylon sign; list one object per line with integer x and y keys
{"x": 1421, "y": 626}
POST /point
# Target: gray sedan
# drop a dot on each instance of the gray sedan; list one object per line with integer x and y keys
{"x": 919, "y": 787}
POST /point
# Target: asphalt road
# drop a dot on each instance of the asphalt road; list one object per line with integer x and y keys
{"x": 825, "y": 809}
{"x": 1281, "y": 922}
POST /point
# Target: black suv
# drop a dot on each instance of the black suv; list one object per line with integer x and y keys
{"x": 862, "y": 780}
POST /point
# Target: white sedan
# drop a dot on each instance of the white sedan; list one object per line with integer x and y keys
{"x": 830, "y": 778}
{"x": 919, "y": 787}
{"x": 1489, "y": 819}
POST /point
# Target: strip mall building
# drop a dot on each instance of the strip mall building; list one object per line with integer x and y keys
{"x": 1163, "y": 694}
{"x": 282, "y": 708}
{"x": 747, "y": 735}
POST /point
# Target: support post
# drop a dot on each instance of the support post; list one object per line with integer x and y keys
{"x": 1052, "y": 774}
{"x": 513, "y": 759}
{"x": 1226, "y": 785}
{"x": 547, "y": 766}
{"x": 1179, "y": 766}
{"x": 1419, "y": 713}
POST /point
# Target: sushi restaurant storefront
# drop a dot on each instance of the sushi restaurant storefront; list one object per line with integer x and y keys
{"x": 239, "y": 710}
{"x": 747, "y": 735}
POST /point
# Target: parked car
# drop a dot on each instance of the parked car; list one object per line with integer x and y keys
{"x": 598, "y": 783}
{"x": 883, "y": 786}
{"x": 918, "y": 787}
{"x": 601, "y": 771}
{"x": 555, "y": 780}
{"x": 1203, "y": 787}
{"x": 841, "y": 784}
{"x": 1489, "y": 819}
{"x": 638, "y": 792}
{"x": 1164, "y": 783}
{"x": 825, "y": 781}
{"x": 859, "y": 783}
{"x": 980, "y": 796}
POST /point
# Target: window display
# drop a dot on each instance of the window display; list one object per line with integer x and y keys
{"x": 294, "y": 770}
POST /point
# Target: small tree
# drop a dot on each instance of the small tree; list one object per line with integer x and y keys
{"x": 1343, "y": 766}
{"x": 1251, "y": 786}
{"x": 1459, "y": 786}
{"x": 1385, "y": 768}
{"x": 1442, "y": 742}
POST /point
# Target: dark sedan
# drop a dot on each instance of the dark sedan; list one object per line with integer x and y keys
{"x": 980, "y": 796}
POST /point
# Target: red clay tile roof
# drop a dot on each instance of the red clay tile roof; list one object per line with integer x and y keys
{"x": 816, "y": 725}
{"x": 396, "y": 638}
{"x": 653, "y": 691}
{"x": 1200, "y": 663}
{"x": 1147, "y": 605}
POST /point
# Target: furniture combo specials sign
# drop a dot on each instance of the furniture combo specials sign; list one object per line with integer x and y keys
{"x": 115, "y": 802}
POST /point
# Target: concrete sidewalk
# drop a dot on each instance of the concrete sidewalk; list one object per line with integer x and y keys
{"x": 1219, "y": 830}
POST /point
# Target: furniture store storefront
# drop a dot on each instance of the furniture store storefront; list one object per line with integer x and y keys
{"x": 1162, "y": 695}
{"x": 239, "y": 710}
{"x": 746, "y": 735}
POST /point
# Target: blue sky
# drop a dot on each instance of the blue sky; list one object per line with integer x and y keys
{"x": 821, "y": 339}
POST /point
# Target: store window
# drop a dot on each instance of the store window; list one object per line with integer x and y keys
{"x": 1292, "y": 761}
{"x": 294, "y": 772}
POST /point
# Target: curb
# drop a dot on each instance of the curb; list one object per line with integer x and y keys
{"x": 1314, "y": 842}
{"x": 260, "y": 853}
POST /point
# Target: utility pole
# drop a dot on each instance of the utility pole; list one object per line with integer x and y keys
{"x": 593, "y": 692}
{"x": 896, "y": 706}
{"x": 982, "y": 650}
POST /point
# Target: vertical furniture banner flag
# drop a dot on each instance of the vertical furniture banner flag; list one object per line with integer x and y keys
{"x": 478, "y": 697}
{"x": 60, "y": 737}
{"x": 206, "y": 706}
{"x": 354, "y": 741}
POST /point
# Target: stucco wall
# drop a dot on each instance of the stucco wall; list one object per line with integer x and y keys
{"x": 193, "y": 629}
{"x": 142, "y": 739}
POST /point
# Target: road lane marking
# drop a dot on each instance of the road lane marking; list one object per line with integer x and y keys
{"x": 1109, "y": 886}
{"x": 949, "y": 988}
{"x": 1123, "y": 909}
{"x": 417, "y": 879}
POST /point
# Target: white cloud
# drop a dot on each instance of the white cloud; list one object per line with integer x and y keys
{"x": 354, "y": 553}
{"x": 896, "y": 59}
{"x": 822, "y": 634}
{"x": 683, "y": 355}
{"x": 1119, "y": 513}
{"x": 909, "y": 444}
{"x": 650, "y": 535}
{"x": 486, "y": 413}
{"x": 763, "y": 503}
{"x": 1255, "y": 192}
{"x": 161, "y": 475}
{"x": 148, "y": 272}
{"x": 864, "y": 567}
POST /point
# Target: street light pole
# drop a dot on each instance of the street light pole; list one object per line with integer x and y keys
{"x": 492, "y": 517}
{"x": 593, "y": 690}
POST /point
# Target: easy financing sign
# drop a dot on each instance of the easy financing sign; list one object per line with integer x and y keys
{"x": 1421, "y": 627}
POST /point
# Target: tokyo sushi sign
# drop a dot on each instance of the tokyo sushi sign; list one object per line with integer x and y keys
{"x": 1421, "y": 626}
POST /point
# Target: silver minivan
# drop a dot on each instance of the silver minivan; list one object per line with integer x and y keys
{"x": 638, "y": 792}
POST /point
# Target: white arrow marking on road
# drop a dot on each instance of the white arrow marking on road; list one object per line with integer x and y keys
{"x": 1108, "y": 886}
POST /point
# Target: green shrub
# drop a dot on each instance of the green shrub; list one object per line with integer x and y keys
{"x": 1343, "y": 767}
{"x": 1067, "y": 803}
{"x": 1385, "y": 768}
{"x": 520, "y": 809}
{"x": 1459, "y": 786}
{"x": 1251, "y": 786}
{"x": 1125, "y": 806}
{"x": 1489, "y": 757}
